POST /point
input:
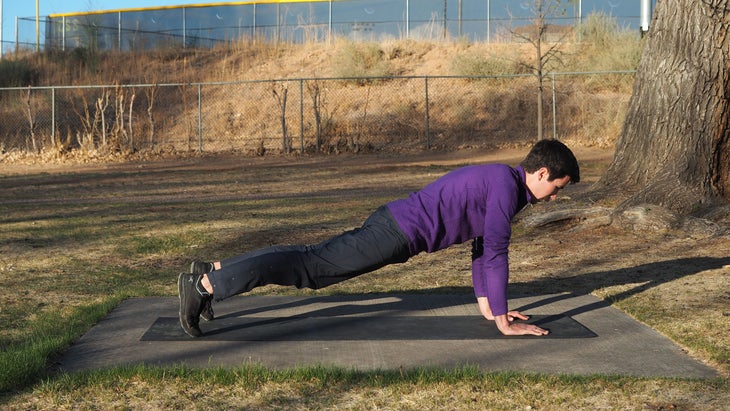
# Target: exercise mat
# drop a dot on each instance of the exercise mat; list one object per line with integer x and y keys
{"x": 358, "y": 328}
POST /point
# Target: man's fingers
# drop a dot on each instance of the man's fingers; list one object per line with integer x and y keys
{"x": 528, "y": 328}
{"x": 516, "y": 314}
{"x": 534, "y": 330}
{"x": 540, "y": 331}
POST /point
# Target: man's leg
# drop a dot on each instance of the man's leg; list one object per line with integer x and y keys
{"x": 377, "y": 243}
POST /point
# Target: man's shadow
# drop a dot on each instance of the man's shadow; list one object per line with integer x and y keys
{"x": 644, "y": 277}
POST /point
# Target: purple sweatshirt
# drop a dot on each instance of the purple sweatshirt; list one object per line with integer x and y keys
{"x": 473, "y": 201}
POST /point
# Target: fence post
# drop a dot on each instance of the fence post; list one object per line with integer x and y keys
{"x": 184, "y": 28}
{"x": 408, "y": 20}
{"x": 329, "y": 25}
{"x": 301, "y": 115}
{"x": 119, "y": 30}
{"x": 200, "y": 117}
{"x": 428, "y": 119}
{"x": 53, "y": 115}
{"x": 555, "y": 119}
{"x": 63, "y": 30}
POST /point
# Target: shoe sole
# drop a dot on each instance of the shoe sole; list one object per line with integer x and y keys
{"x": 182, "y": 295}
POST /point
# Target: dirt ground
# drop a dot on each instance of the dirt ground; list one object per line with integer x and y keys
{"x": 672, "y": 279}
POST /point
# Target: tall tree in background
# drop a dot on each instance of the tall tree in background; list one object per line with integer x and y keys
{"x": 545, "y": 52}
{"x": 674, "y": 149}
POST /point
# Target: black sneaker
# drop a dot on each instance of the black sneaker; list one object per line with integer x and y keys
{"x": 192, "y": 300}
{"x": 199, "y": 267}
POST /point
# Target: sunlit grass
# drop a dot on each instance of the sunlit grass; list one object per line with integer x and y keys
{"x": 255, "y": 387}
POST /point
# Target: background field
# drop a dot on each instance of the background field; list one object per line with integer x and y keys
{"x": 86, "y": 222}
{"x": 75, "y": 240}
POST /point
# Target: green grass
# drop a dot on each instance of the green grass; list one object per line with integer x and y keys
{"x": 26, "y": 362}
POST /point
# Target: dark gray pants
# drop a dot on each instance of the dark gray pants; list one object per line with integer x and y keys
{"x": 377, "y": 243}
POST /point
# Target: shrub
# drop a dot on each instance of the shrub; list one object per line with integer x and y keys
{"x": 16, "y": 74}
{"x": 474, "y": 64}
{"x": 606, "y": 46}
{"x": 361, "y": 60}
{"x": 599, "y": 29}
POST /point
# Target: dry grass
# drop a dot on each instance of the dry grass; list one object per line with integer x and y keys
{"x": 246, "y": 117}
{"x": 87, "y": 234}
{"x": 477, "y": 393}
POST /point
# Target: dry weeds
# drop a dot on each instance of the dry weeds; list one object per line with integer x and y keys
{"x": 144, "y": 122}
{"x": 528, "y": 394}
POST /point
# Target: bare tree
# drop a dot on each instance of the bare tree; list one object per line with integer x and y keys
{"x": 119, "y": 129}
{"x": 545, "y": 51}
{"x": 315, "y": 91}
{"x": 31, "y": 119}
{"x": 674, "y": 149}
{"x": 129, "y": 122}
{"x": 101, "y": 105}
{"x": 281, "y": 96}
{"x": 86, "y": 137}
{"x": 151, "y": 93}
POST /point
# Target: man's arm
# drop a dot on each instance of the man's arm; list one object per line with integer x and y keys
{"x": 490, "y": 263}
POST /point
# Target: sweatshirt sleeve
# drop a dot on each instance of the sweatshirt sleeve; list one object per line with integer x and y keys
{"x": 490, "y": 265}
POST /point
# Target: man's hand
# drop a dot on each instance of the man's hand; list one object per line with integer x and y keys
{"x": 508, "y": 327}
{"x": 506, "y": 323}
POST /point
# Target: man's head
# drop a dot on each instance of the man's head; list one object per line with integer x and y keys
{"x": 549, "y": 167}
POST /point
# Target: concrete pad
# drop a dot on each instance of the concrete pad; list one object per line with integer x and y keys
{"x": 385, "y": 331}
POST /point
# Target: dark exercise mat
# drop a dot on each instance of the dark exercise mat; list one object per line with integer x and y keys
{"x": 354, "y": 328}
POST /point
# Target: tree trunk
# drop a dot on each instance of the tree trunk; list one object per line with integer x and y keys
{"x": 674, "y": 149}
{"x": 540, "y": 27}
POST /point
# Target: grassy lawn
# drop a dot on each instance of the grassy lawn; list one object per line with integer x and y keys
{"x": 75, "y": 241}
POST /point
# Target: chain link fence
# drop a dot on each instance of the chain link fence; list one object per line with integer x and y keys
{"x": 326, "y": 115}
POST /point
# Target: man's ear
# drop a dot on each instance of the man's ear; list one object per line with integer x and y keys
{"x": 543, "y": 172}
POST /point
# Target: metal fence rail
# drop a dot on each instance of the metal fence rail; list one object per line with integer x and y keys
{"x": 313, "y": 114}
{"x": 296, "y": 21}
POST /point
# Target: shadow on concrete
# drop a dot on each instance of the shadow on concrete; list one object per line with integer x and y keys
{"x": 648, "y": 276}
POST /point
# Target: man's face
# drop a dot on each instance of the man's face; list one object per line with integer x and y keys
{"x": 543, "y": 189}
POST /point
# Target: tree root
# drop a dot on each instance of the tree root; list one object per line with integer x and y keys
{"x": 638, "y": 218}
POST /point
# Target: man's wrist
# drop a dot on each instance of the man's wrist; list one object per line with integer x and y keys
{"x": 486, "y": 311}
{"x": 502, "y": 323}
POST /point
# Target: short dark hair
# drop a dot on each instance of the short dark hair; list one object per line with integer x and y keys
{"x": 556, "y": 157}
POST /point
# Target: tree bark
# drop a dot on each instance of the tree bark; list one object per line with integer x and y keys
{"x": 674, "y": 149}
